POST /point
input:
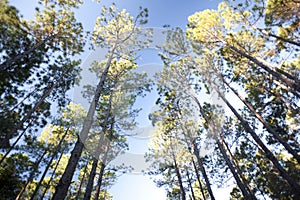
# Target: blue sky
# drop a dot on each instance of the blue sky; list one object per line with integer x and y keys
{"x": 161, "y": 12}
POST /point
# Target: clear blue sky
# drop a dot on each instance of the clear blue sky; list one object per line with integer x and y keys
{"x": 161, "y": 12}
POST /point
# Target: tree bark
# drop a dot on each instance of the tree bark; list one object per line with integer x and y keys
{"x": 242, "y": 187}
{"x": 190, "y": 184}
{"x": 198, "y": 179}
{"x": 266, "y": 125}
{"x": 81, "y": 181}
{"x": 31, "y": 175}
{"x": 274, "y": 71}
{"x": 65, "y": 181}
{"x": 52, "y": 175}
{"x": 203, "y": 171}
{"x": 182, "y": 190}
{"x": 49, "y": 164}
{"x": 263, "y": 147}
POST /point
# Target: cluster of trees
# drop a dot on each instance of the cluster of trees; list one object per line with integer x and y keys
{"x": 245, "y": 55}
{"x": 42, "y": 132}
{"x": 242, "y": 52}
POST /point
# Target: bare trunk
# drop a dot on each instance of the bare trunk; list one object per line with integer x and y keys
{"x": 203, "y": 171}
{"x": 89, "y": 187}
{"x": 5, "y": 65}
{"x": 239, "y": 171}
{"x": 14, "y": 144}
{"x": 242, "y": 187}
{"x": 182, "y": 191}
{"x": 31, "y": 175}
{"x": 198, "y": 179}
{"x": 266, "y": 125}
{"x": 81, "y": 181}
{"x": 49, "y": 164}
{"x": 28, "y": 115}
{"x": 101, "y": 173}
{"x": 289, "y": 80}
{"x": 65, "y": 181}
{"x": 263, "y": 147}
{"x": 190, "y": 184}
{"x": 52, "y": 175}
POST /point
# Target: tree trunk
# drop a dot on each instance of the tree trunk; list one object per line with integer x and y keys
{"x": 81, "y": 181}
{"x": 65, "y": 181}
{"x": 15, "y": 143}
{"x": 190, "y": 183}
{"x": 28, "y": 115}
{"x": 198, "y": 179}
{"x": 182, "y": 190}
{"x": 291, "y": 81}
{"x": 5, "y": 65}
{"x": 239, "y": 171}
{"x": 89, "y": 187}
{"x": 266, "y": 125}
{"x": 49, "y": 164}
{"x": 52, "y": 175}
{"x": 31, "y": 175}
{"x": 263, "y": 147}
{"x": 101, "y": 173}
{"x": 203, "y": 171}
{"x": 242, "y": 187}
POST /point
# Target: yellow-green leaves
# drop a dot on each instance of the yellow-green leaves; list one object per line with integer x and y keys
{"x": 209, "y": 26}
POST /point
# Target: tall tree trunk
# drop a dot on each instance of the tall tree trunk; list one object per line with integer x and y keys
{"x": 202, "y": 169}
{"x": 15, "y": 143}
{"x": 289, "y": 80}
{"x": 266, "y": 125}
{"x": 28, "y": 115}
{"x": 101, "y": 174}
{"x": 31, "y": 175}
{"x": 52, "y": 175}
{"x": 5, "y": 65}
{"x": 182, "y": 190}
{"x": 242, "y": 187}
{"x": 263, "y": 147}
{"x": 239, "y": 171}
{"x": 190, "y": 183}
{"x": 89, "y": 187}
{"x": 58, "y": 147}
{"x": 81, "y": 181}
{"x": 198, "y": 179}
{"x": 65, "y": 181}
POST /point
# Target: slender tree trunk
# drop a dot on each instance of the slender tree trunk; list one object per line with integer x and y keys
{"x": 101, "y": 174}
{"x": 263, "y": 147}
{"x": 190, "y": 184}
{"x": 268, "y": 33}
{"x": 5, "y": 65}
{"x": 182, "y": 190}
{"x": 89, "y": 187}
{"x": 232, "y": 169}
{"x": 239, "y": 171}
{"x": 31, "y": 175}
{"x": 81, "y": 181}
{"x": 15, "y": 143}
{"x": 291, "y": 81}
{"x": 52, "y": 175}
{"x": 198, "y": 179}
{"x": 266, "y": 125}
{"x": 28, "y": 115}
{"x": 203, "y": 171}
{"x": 65, "y": 181}
{"x": 49, "y": 164}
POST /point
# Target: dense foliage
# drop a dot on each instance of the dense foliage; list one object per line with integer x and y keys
{"x": 229, "y": 97}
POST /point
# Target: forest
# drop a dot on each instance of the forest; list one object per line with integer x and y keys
{"x": 228, "y": 102}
